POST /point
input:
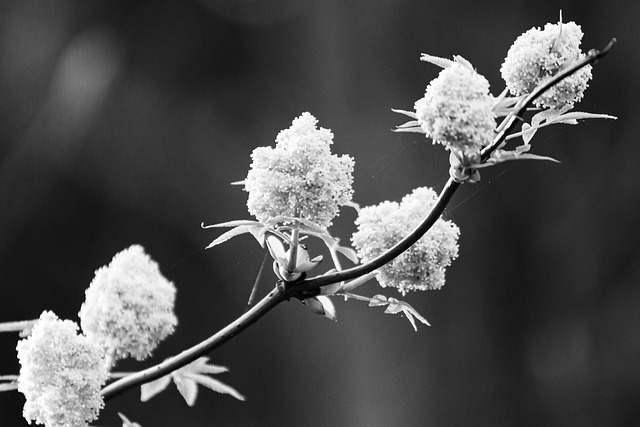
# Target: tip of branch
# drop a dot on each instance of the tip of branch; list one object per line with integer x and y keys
{"x": 597, "y": 54}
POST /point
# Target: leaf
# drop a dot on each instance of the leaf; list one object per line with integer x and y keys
{"x": 544, "y": 115}
{"x": 201, "y": 365}
{"x": 218, "y": 386}
{"x": 187, "y": 387}
{"x": 530, "y": 156}
{"x": 329, "y": 308}
{"x": 11, "y": 385}
{"x": 460, "y": 60}
{"x": 573, "y": 117}
{"x": 294, "y": 220}
{"x": 395, "y": 306}
{"x": 333, "y": 245}
{"x": 257, "y": 229}
{"x": 330, "y": 289}
{"x": 411, "y": 312}
{"x": 150, "y": 389}
{"x": 349, "y": 295}
{"x": 126, "y": 422}
{"x": 309, "y": 265}
{"x": 350, "y": 253}
{"x": 412, "y": 123}
{"x": 436, "y": 60}
{"x": 322, "y": 305}
{"x": 353, "y": 205}
{"x": 405, "y": 112}
{"x": 241, "y": 229}
{"x": 415, "y": 129}
{"x": 189, "y": 377}
{"x": 276, "y": 249}
{"x": 378, "y": 301}
{"x": 187, "y": 380}
{"x": 527, "y": 133}
{"x": 523, "y": 148}
{"x": 504, "y": 104}
{"x": 233, "y": 223}
{"x": 500, "y": 156}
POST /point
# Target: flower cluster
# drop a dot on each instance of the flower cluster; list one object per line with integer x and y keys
{"x": 299, "y": 177}
{"x": 456, "y": 110}
{"x": 61, "y": 374}
{"x": 538, "y": 55}
{"x": 128, "y": 307}
{"x": 422, "y": 267}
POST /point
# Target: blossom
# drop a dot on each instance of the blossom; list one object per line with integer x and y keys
{"x": 299, "y": 177}
{"x": 538, "y": 55}
{"x": 421, "y": 267}
{"x": 128, "y": 307}
{"x": 456, "y": 110}
{"x": 61, "y": 374}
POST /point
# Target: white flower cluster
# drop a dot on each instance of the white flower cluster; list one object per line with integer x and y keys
{"x": 537, "y": 55}
{"x": 61, "y": 374}
{"x": 129, "y": 305}
{"x": 456, "y": 110}
{"x": 422, "y": 267}
{"x": 299, "y": 177}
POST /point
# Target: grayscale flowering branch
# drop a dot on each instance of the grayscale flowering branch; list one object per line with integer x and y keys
{"x": 304, "y": 287}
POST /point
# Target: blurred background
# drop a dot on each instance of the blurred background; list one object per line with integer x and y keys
{"x": 124, "y": 122}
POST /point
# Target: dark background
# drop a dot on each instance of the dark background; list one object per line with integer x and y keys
{"x": 124, "y": 122}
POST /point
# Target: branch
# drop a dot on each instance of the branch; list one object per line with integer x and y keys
{"x": 312, "y": 286}
{"x": 118, "y": 387}
{"x": 521, "y": 107}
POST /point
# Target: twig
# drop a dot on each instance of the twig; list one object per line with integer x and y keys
{"x": 265, "y": 305}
